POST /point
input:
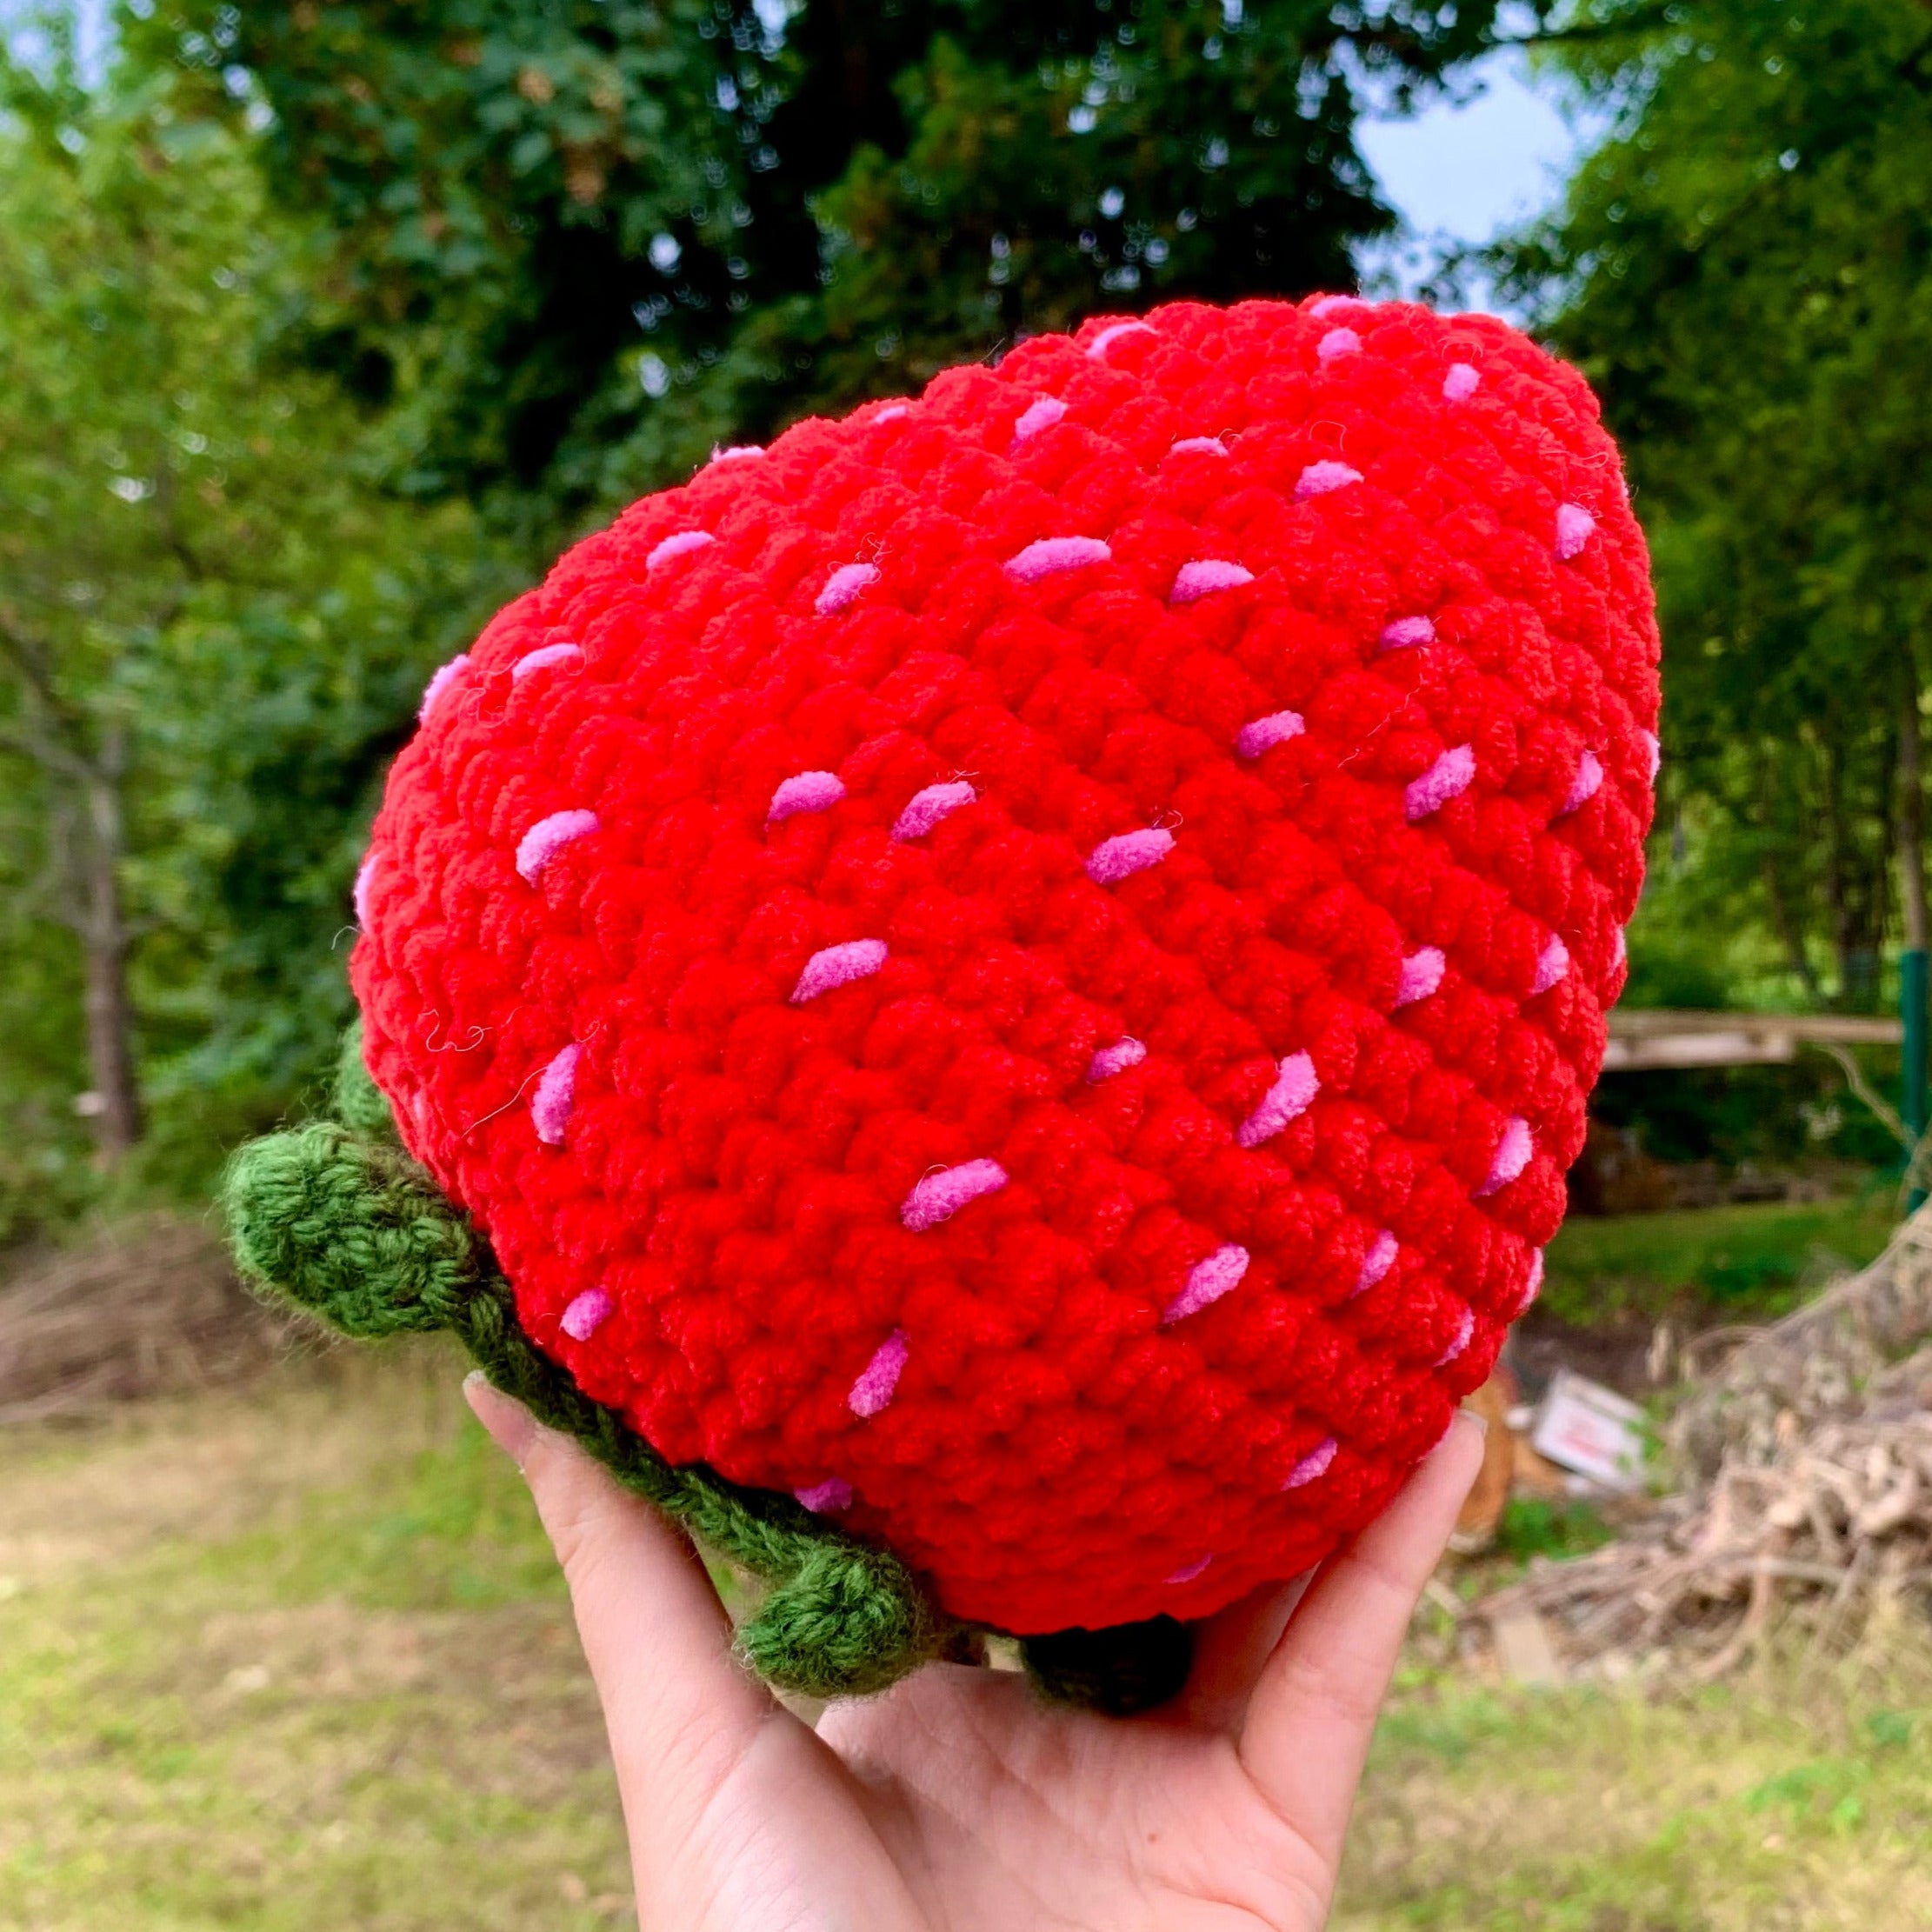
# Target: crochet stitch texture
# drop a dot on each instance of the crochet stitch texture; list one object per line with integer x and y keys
{"x": 1024, "y": 967}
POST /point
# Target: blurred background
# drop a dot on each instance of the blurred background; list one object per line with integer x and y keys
{"x": 324, "y": 327}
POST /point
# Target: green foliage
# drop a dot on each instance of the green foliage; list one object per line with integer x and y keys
{"x": 1743, "y": 271}
{"x": 1534, "y": 1526}
{"x": 580, "y": 242}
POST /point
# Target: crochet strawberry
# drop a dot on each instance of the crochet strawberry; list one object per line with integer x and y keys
{"x": 1010, "y": 981}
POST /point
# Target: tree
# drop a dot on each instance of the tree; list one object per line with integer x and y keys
{"x": 194, "y": 578}
{"x": 1744, "y": 268}
{"x": 582, "y": 240}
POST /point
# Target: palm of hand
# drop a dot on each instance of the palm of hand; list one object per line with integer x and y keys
{"x": 960, "y": 1801}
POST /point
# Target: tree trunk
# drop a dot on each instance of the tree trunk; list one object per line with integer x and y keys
{"x": 115, "y": 1112}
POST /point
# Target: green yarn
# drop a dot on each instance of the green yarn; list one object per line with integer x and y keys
{"x": 357, "y": 1234}
{"x": 360, "y": 1103}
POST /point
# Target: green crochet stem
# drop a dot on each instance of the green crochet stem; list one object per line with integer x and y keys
{"x": 334, "y": 1216}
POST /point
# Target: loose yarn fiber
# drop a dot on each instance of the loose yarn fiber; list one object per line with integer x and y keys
{"x": 1022, "y": 969}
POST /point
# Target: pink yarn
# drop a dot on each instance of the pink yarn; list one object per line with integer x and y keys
{"x": 1461, "y": 383}
{"x": 925, "y": 808}
{"x": 545, "y": 839}
{"x": 1421, "y": 973}
{"x": 680, "y": 545}
{"x": 879, "y": 1378}
{"x": 1448, "y": 778}
{"x": 937, "y": 1197}
{"x": 1207, "y": 1281}
{"x": 1319, "y": 479}
{"x": 1315, "y": 1465}
{"x": 1040, "y": 414}
{"x": 556, "y": 1091}
{"x": 440, "y": 681}
{"x": 843, "y": 585}
{"x": 1260, "y": 735}
{"x": 1207, "y": 445}
{"x": 822, "y": 1498}
{"x": 1652, "y": 750}
{"x": 892, "y": 412}
{"x": 358, "y": 897}
{"x": 1333, "y": 304}
{"x": 737, "y": 451}
{"x": 1295, "y": 1086}
{"x": 1380, "y": 1257}
{"x": 1464, "y": 1329}
{"x": 1106, "y": 339}
{"x": 1574, "y": 527}
{"x": 1583, "y": 787}
{"x": 1551, "y": 965}
{"x": 1533, "y": 1285}
{"x": 1114, "y": 859}
{"x": 1407, "y": 632}
{"x": 1052, "y": 554}
{"x": 1117, "y": 1058}
{"x": 1512, "y": 1155}
{"x": 810, "y": 791}
{"x": 543, "y": 658}
{"x": 838, "y": 966}
{"x": 1187, "y": 1573}
{"x": 1620, "y": 951}
{"x": 586, "y": 1315}
{"x": 1192, "y": 581}
{"x": 1337, "y": 343}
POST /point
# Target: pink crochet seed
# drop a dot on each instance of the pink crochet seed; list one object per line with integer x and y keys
{"x": 1295, "y": 1086}
{"x": 1106, "y": 339}
{"x": 1207, "y": 445}
{"x": 737, "y": 451}
{"x": 810, "y": 791}
{"x": 1319, "y": 479}
{"x": 925, "y": 808}
{"x": 1552, "y": 964}
{"x": 1114, "y": 859}
{"x": 1405, "y": 633}
{"x": 1331, "y": 304}
{"x": 1313, "y": 1465}
{"x": 1583, "y": 787}
{"x": 1512, "y": 1155}
{"x": 843, "y": 585}
{"x": 1190, "y": 1571}
{"x": 937, "y": 1197}
{"x": 1207, "y": 1281}
{"x": 1260, "y": 735}
{"x": 1421, "y": 973}
{"x": 440, "y": 681}
{"x": 1052, "y": 554}
{"x": 1464, "y": 1331}
{"x": 545, "y": 839}
{"x": 1117, "y": 1058}
{"x": 555, "y": 1090}
{"x": 680, "y": 545}
{"x": 1533, "y": 1285}
{"x": 1380, "y": 1257}
{"x": 365, "y": 877}
{"x": 1192, "y": 581}
{"x": 1464, "y": 380}
{"x": 822, "y": 1498}
{"x": 892, "y": 412}
{"x": 880, "y": 1376}
{"x": 1575, "y": 526}
{"x": 1337, "y": 343}
{"x": 1620, "y": 951}
{"x": 1653, "y": 751}
{"x": 586, "y": 1315}
{"x": 838, "y": 966}
{"x": 1040, "y": 414}
{"x": 543, "y": 658}
{"x": 1448, "y": 778}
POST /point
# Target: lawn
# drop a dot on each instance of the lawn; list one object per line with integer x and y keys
{"x": 300, "y": 1661}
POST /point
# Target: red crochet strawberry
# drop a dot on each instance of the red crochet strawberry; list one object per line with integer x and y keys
{"x": 1024, "y": 967}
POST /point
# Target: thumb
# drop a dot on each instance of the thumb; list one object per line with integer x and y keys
{"x": 678, "y": 1708}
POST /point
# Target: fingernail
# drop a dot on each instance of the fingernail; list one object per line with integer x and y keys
{"x": 508, "y": 1423}
{"x": 1482, "y": 1422}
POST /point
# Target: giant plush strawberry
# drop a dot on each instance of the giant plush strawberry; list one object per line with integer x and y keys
{"x": 1022, "y": 968}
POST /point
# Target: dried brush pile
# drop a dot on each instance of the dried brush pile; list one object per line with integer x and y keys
{"x": 1807, "y": 1505}
{"x": 152, "y": 1309}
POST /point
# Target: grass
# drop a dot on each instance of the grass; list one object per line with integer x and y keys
{"x": 300, "y": 1662}
{"x": 1742, "y": 1263}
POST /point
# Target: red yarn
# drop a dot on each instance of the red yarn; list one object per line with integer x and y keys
{"x": 1207, "y": 771}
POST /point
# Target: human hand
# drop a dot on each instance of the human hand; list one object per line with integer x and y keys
{"x": 961, "y": 1799}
